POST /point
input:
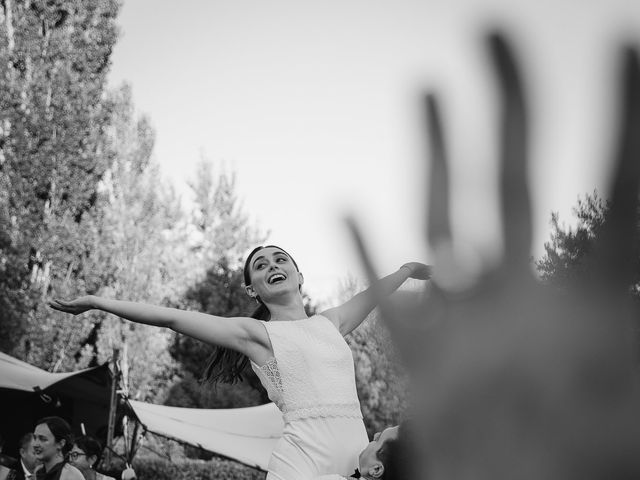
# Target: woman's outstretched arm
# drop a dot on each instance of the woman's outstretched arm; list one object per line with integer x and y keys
{"x": 352, "y": 313}
{"x": 242, "y": 334}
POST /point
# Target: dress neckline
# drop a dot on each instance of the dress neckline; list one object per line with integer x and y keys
{"x": 296, "y": 320}
{"x": 272, "y": 358}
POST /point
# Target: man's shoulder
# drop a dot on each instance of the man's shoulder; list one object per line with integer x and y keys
{"x": 7, "y": 461}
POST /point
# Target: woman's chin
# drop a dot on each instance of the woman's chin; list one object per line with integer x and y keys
{"x": 278, "y": 290}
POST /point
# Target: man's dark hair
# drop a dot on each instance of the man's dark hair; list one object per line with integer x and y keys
{"x": 385, "y": 454}
{"x": 397, "y": 456}
{"x": 25, "y": 440}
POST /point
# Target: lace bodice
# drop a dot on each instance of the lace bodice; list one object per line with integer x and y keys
{"x": 271, "y": 380}
{"x": 311, "y": 373}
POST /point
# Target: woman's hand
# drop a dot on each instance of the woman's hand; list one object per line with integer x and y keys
{"x": 75, "y": 307}
{"x": 418, "y": 270}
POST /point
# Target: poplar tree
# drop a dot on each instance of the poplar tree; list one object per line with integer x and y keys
{"x": 54, "y": 58}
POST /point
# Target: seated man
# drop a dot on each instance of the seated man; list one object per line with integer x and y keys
{"x": 6, "y": 462}
{"x": 28, "y": 462}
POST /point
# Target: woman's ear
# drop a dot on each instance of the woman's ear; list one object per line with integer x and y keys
{"x": 300, "y": 279}
{"x": 250, "y": 291}
{"x": 92, "y": 459}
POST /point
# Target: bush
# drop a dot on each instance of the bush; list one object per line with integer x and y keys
{"x": 149, "y": 468}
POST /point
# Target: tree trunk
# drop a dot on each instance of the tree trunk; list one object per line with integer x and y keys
{"x": 8, "y": 22}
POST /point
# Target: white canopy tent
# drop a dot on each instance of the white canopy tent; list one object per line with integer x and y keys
{"x": 244, "y": 434}
{"x": 18, "y": 375}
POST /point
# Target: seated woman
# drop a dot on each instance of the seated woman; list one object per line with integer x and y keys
{"x": 84, "y": 455}
{"x": 51, "y": 443}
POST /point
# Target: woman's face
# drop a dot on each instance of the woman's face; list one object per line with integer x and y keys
{"x": 80, "y": 459}
{"x": 272, "y": 273}
{"x": 45, "y": 445}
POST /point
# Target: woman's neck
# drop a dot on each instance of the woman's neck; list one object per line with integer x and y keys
{"x": 53, "y": 461}
{"x": 292, "y": 310}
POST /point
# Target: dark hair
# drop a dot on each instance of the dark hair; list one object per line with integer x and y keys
{"x": 226, "y": 365}
{"x": 397, "y": 456}
{"x": 90, "y": 446}
{"x": 25, "y": 440}
{"x": 60, "y": 430}
{"x": 385, "y": 454}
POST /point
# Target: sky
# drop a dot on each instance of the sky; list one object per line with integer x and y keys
{"x": 316, "y": 106}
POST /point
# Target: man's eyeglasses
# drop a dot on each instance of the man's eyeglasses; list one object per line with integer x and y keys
{"x": 73, "y": 456}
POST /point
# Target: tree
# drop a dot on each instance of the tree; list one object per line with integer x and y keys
{"x": 54, "y": 57}
{"x": 140, "y": 252}
{"x": 221, "y": 234}
{"x": 222, "y": 229}
{"x": 14, "y": 281}
{"x": 569, "y": 248}
{"x": 220, "y": 292}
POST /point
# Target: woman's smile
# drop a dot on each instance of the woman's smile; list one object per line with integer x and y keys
{"x": 276, "y": 278}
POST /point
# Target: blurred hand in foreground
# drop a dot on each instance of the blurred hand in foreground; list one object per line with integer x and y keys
{"x": 512, "y": 380}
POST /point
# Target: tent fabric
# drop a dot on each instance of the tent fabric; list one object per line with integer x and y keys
{"x": 247, "y": 435}
{"x": 18, "y": 375}
{"x": 88, "y": 389}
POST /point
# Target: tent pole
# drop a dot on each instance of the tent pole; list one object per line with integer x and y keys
{"x": 113, "y": 404}
{"x": 134, "y": 442}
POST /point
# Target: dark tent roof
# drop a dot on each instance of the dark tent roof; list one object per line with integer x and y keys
{"x": 28, "y": 393}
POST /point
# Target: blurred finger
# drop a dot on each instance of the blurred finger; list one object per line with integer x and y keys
{"x": 363, "y": 253}
{"x": 383, "y": 304}
{"x": 515, "y": 200}
{"x": 438, "y": 224}
{"x": 615, "y": 253}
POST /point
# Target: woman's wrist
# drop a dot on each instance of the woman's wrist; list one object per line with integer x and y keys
{"x": 94, "y": 302}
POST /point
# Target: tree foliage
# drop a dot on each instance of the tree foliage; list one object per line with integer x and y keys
{"x": 222, "y": 230}
{"x": 54, "y": 57}
{"x": 221, "y": 234}
{"x": 568, "y": 250}
{"x": 140, "y": 251}
{"x": 568, "y": 247}
{"x": 220, "y": 292}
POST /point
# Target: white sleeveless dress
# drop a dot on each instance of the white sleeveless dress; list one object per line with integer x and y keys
{"x": 311, "y": 379}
